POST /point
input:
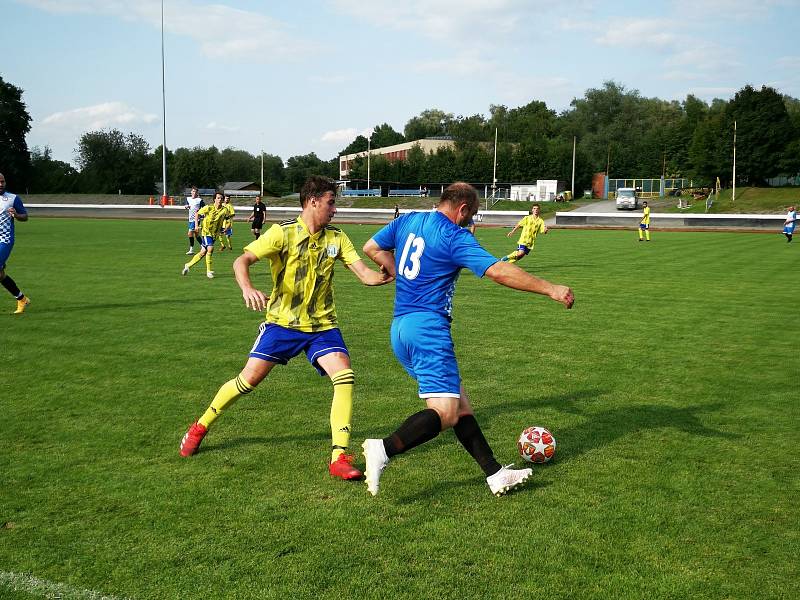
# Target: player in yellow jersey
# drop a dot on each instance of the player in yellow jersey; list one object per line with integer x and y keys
{"x": 532, "y": 225}
{"x": 644, "y": 224}
{"x": 213, "y": 217}
{"x": 226, "y": 232}
{"x": 300, "y": 314}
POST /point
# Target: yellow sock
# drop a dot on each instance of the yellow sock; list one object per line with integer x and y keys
{"x": 512, "y": 258}
{"x": 209, "y": 261}
{"x": 227, "y": 394}
{"x": 640, "y": 235}
{"x": 195, "y": 259}
{"x": 647, "y": 234}
{"x": 341, "y": 411}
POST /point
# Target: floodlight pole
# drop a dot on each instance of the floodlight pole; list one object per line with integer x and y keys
{"x": 574, "y": 142}
{"x": 369, "y": 153}
{"x": 494, "y": 171}
{"x": 733, "y": 196}
{"x": 163, "y": 118}
{"x": 262, "y": 165}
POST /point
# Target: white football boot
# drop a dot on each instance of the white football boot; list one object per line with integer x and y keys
{"x": 210, "y": 274}
{"x": 507, "y": 479}
{"x": 376, "y": 459}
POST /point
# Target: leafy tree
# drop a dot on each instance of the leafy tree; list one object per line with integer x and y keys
{"x": 383, "y": 135}
{"x": 299, "y": 168}
{"x": 360, "y": 144}
{"x": 49, "y": 176}
{"x": 764, "y": 130}
{"x": 111, "y": 162}
{"x": 15, "y": 123}
{"x": 428, "y": 123}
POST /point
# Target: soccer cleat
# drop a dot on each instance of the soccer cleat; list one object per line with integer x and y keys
{"x": 191, "y": 251}
{"x": 185, "y": 270}
{"x": 376, "y": 459}
{"x": 191, "y": 441}
{"x": 21, "y": 304}
{"x": 343, "y": 467}
{"x": 506, "y": 479}
{"x": 210, "y": 274}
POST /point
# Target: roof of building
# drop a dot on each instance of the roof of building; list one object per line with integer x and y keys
{"x": 238, "y": 185}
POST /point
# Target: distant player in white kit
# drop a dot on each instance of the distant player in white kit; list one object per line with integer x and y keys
{"x": 11, "y": 209}
{"x": 193, "y": 203}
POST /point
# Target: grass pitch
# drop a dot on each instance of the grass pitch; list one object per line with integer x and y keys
{"x": 671, "y": 388}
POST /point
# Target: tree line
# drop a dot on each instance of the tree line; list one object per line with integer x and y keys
{"x": 617, "y": 130}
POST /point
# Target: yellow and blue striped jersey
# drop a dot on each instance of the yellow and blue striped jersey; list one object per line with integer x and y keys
{"x": 645, "y": 216}
{"x": 302, "y": 273}
{"x": 212, "y": 219}
{"x": 531, "y": 226}
{"x": 228, "y": 220}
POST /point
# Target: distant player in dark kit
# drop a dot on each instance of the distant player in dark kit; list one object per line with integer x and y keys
{"x": 257, "y": 218}
{"x": 426, "y": 252}
{"x": 11, "y": 209}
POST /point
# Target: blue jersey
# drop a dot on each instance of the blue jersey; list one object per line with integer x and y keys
{"x": 430, "y": 251}
{"x": 9, "y": 200}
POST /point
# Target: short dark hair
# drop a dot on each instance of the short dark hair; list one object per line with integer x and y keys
{"x": 316, "y": 186}
{"x": 534, "y": 205}
{"x": 458, "y": 193}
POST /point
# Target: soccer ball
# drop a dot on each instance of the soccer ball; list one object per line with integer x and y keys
{"x": 536, "y": 445}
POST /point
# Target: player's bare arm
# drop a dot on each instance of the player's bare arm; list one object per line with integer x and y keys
{"x": 17, "y": 216}
{"x": 368, "y": 276}
{"x": 510, "y": 233}
{"x": 383, "y": 258}
{"x": 253, "y": 298}
{"x": 513, "y": 277}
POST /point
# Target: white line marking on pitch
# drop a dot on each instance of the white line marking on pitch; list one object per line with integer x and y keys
{"x": 24, "y": 582}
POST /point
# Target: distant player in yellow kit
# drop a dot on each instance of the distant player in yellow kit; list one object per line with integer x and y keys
{"x": 532, "y": 225}
{"x": 212, "y": 216}
{"x": 226, "y": 232}
{"x": 644, "y": 224}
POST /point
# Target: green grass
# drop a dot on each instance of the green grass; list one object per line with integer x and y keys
{"x": 749, "y": 200}
{"x": 671, "y": 388}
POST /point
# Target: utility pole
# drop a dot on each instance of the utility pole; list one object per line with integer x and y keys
{"x": 369, "y": 153}
{"x": 574, "y": 141}
{"x": 163, "y": 118}
{"x": 733, "y": 196}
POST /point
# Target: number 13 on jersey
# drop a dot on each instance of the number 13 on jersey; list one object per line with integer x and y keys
{"x": 412, "y": 252}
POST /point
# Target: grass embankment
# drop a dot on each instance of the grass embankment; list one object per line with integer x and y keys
{"x": 749, "y": 200}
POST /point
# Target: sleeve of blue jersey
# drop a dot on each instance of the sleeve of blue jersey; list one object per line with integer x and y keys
{"x": 467, "y": 252}
{"x": 19, "y": 207}
{"x": 385, "y": 237}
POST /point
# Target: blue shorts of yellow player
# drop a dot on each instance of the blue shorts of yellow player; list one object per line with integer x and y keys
{"x": 422, "y": 343}
{"x": 207, "y": 241}
{"x": 228, "y": 231}
{"x": 524, "y": 249}
{"x": 644, "y": 226}
{"x": 5, "y": 252}
{"x": 279, "y": 344}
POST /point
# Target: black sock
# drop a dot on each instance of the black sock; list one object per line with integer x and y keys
{"x": 191, "y": 242}
{"x": 11, "y": 286}
{"x": 471, "y": 437}
{"x": 415, "y": 430}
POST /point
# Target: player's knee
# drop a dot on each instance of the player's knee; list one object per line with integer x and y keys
{"x": 448, "y": 415}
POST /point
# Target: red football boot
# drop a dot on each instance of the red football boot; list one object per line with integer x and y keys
{"x": 191, "y": 441}
{"x": 343, "y": 467}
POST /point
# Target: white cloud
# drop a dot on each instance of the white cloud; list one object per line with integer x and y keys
{"x": 705, "y": 57}
{"x": 635, "y": 33}
{"x": 448, "y": 20}
{"x": 343, "y": 136}
{"x": 235, "y": 33}
{"x": 730, "y": 9}
{"x": 98, "y": 116}
{"x": 215, "y": 127}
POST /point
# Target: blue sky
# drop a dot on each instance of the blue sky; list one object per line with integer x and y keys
{"x": 308, "y": 76}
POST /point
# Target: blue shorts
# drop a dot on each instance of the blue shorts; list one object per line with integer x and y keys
{"x": 191, "y": 225}
{"x": 789, "y": 229}
{"x": 228, "y": 231}
{"x": 644, "y": 226}
{"x": 5, "y": 252}
{"x": 524, "y": 249}
{"x": 278, "y": 344}
{"x": 422, "y": 343}
{"x": 207, "y": 241}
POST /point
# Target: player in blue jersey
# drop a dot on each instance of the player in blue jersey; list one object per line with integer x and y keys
{"x": 426, "y": 251}
{"x": 11, "y": 209}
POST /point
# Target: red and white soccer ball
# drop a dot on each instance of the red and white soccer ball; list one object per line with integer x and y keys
{"x": 536, "y": 445}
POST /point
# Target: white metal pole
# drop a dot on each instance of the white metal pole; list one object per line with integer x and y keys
{"x": 163, "y": 117}
{"x": 262, "y": 171}
{"x": 369, "y": 153}
{"x": 494, "y": 168}
{"x": 733, "y": 196}
{"x": 574, "y": 141}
